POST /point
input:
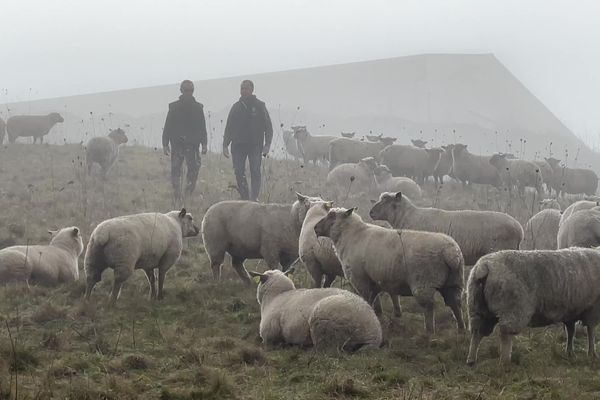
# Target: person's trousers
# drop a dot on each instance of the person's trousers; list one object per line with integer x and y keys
{"x": 191, "y": 155}
{"x": 239, "y": 154}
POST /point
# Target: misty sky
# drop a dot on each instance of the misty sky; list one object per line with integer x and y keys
{"x": 64, "y": 47}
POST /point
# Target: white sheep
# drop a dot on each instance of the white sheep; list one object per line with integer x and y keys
{"x": 146, "y": 241}
{"x": 399, "y": 262}
{"x": 46, "y": 265}
{"x": 31, "y": 125}
{"x": 388, "y": 183}
{"x": 581, "y": 229}
{"x": 250, "y": 230}
{"x": 547, "y": 173}
{"x": 327, "y": 318}
{"x": 291, "y": 145}
{"x": 359, "y": 177}
{"x": 576, "y": 207}
{"x": 572, "y": 180}
{"x": 312, "y": 148}
{"x": 519, "y": 173}
{"x": 470, "y": 168}
{"x": 104, "y": 150}
{"x": 541, "y": 230}
{"x": 410, "y": 161}
{"x": 344, "y": 150}
{"x": 318, "y": 254}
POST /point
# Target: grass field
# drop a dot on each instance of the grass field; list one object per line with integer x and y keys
{"x": 201, "y": 341}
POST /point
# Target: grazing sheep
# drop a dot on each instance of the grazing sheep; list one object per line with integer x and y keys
{"x": 516, "y": 289}
{"x": 348, "y": 135}
{"x": 388, "y": 183}
{"x": 312, "y": 148}
{"x": 444, "y": 166}
{"x": 576, "y": 207}
{"x": 31, "y": 125}
{"x": 359, "y": 176}
{"x": 541, "y": 231}
{"x": 326, "y": 318}
{"x": 470, "y": 168}
{"x": 104, "y": 150}
{"x": 411, "y": 161}
{"x": 46, "y": 265}
{"x": 476, "y": 232}
{"x": 343, "y": 150}
{"x": 418, "y": 143}
{"x": 519, "y": 173}
{"x": 146, "y": 241}
{"x": 317, "y": 253}
{"x": 249, "y": 230}
{"x": 581, "y": 229}
{"x": 291, "y": 145}
{"x": 2, "y": 130}
{"x": 547, "y": 174}
{"x": 399, "y": 262}
{"x": 572, "y": 180}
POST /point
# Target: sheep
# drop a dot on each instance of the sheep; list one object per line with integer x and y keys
{"x": 387, "y": 141}
{"x": 411, "y": 161}
{"x": 399, "y": 262}
{"x": 581, "y": 229}
{"x": 470, "y": 168}
{"x": 374, "y": 138}
{"x": 476, "y": 232}
{"x": 326, "y": 318}
{"x": 291, "y": 145}
{"x": 348, "y": 135}
{"x": 2, "y": 130}
{"x": 444, "y": 166}
{"x": 360, "y": 175}
{"x": 104, "y": 150}
{"x": 343, "y": 150}
{"x": 46, "y": 265}
{"x": 31, "y": 125}
{"x": 576, "y": 207}
{"x": 249, "y": 230}
{"x": 388, "y": 183}
{"x": 515, "y": 289}
{"x": 547, "y": 173}
{"x": 541, "y": 231}
{"x": 519, "y": 173}
{"x": 572, "y": 180}
{"x": 146, "y": 241}
{"x": 317, "y": 253}
{"x": 418, "y": 143}
{"x": 549, "y": 204}
{"x": 312, "y": 148}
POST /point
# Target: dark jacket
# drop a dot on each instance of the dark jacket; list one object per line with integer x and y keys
{"x": 185, "y": 123}
{"x": 248, "y": 123}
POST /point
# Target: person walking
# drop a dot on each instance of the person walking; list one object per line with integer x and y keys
{"x": 249, "y": 132}
{"x": 184, "y": 131}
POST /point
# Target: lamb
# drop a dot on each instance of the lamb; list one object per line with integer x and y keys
{"x": 470, "y": 168}
{"x": 388, "y": 183}
{"x": 327, "y": 318}
{"x": 519, "y": 173}
{"x": 343, "y": 150}
{"x": 249, "y": 230}
{"x": 547, "y": 173}
{"x": 46, "y": 265}
{"x": 104, "y": 150}
{"x": 515, "y": 289}
{"x": 312, "y": 148}
{"x": 572, "y": 180}
{"x": 359, "y": 175}
{"x": 582, "y": 229}
{"x": 2, "y": 130}
{"x": 317, "y": 253}
{"x": 411, "y": 161}
{"x": 476, "y": 232}
{"x": 444, "y": 166}
{"x": 399, "y": 262}
{"x": 146, "y": 241}
{"x": 348, "y": 135}
{"x": 418, "y": 143}
{"x": 31, "y": 125}
{"x": 541, "y": 231}
{"x": 291, "y": 145}
{"x": 576, "y": 207}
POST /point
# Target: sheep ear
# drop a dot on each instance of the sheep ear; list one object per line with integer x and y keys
{"x": 349, "y": 212}
{"x": 328, "y": 205}
{"x": 182, "y": 213}
{"x": 301, "y": 197}
{"x": 398, "y": 195}
{"x": 75, "y": 232}
{"x": 258, "y": 277}
{"x": 51, "y": 232}
{"x": 373, "y": 201}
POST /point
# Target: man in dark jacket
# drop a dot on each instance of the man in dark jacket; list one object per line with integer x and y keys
{"x": 250, "y": 132}
{"x": 185, "y": 131}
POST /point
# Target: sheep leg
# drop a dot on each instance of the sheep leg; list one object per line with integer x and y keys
{"x": 238, "y": 265}
{"x": 90, "y": 283}
{"x": 452, "y": 298}
{"x": 570, "y": 329}
{"x": 328, "y": 280}
{"x": 591, "y": 333}
{"x": 424, "y": 298}
{"x": 505, "y": 347}
{"x": 396, "y": 304}
{"x": 152, "y": 282}
{"x": 476, "y": 337}
{"x": 121, "y": 275}
{"x": 314, "y": 269}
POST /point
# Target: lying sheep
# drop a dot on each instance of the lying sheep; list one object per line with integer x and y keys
{"x": 572, "y": 180}
{"x": 104, "y": 150}
{"x": 399, "y": 262}
{"x": 146, "y": 241}
{"x": 359, "y": 176}
{"x": 519, "y": 173}
{"x": 343, "y": 150}
{"x": 388, "y": 183}
{"x": 541, "y": 230}
{"x": 516, "y": 289}
{"x": 325, "y": 318}
{"x": 312, "y": 148}
{"x": 470, "y": 168}
{"x": 547, "y": 173}
{"x": 317, "y": 253}
{"x": 48, "y": 265}
{"x": 444, "y": 166}
{"x": 249, "y": 230}
{"x": 418, "y": 143}
{"x": 2, "y": 130}
{"x": 582, "y": 229}
{"x": 291, "y": 145}
{"x": 476, "y": 232}
{"x": 410, "y": 161}
{"x": 576, "y": 207}
{"x": 31, "y": 125}
{"x": 348, "y": 135}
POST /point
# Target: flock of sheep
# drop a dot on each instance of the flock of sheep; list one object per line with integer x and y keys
{"x": 547, "y": 273}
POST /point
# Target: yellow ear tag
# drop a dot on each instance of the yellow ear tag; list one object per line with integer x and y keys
{"x": 256, "y": 279}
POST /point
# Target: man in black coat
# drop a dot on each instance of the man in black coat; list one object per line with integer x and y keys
{"x": 250, "y": 132}
{"x": 185, "y": 131}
